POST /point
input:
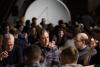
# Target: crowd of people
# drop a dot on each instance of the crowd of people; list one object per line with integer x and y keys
{"x": 45, "y": 45}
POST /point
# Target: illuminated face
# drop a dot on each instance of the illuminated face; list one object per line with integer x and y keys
{"x": 78, "y": 42}
{"x": 44, "y": 38}
{"x": 61, "y": 33}
{"x": 9, "y": 43}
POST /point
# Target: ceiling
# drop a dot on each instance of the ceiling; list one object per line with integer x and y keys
{"x": 18, "y": 7}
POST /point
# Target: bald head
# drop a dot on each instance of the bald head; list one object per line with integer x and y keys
{"x": 82, "y": 36}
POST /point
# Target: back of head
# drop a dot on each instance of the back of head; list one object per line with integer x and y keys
{"x": 33, "y": 53}
{"x": 60, "y": 22}
{"x": 27, "y": 22}
{"x": 69, "y": 55}
{"x": 34, "y": 19}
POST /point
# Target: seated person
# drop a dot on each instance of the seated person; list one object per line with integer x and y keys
{"x": 69, "y": 57}
{"x": 33, "y": 56}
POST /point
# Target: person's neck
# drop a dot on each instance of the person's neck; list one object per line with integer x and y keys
{"x": 36, "y": 62}
{"x": 44, "y": 45}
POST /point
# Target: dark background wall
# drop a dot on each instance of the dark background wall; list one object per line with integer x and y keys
{"x": 9, "y": 8}
{"x": 77, "y": 7}
{"x": 5, "y": 8}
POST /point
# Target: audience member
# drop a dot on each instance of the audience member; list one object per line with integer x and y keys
{"x": 85, "y": 52}
{"x": 33, "y": 56}
{"x": 69, "y": 57}
{"x": 50, "y": 51}
{"x": 10, "y": 54}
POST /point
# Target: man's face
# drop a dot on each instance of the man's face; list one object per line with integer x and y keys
{"x": 9, "y": 44}
{"x": 78, "y": 42}
{"x": 45, "y": 39}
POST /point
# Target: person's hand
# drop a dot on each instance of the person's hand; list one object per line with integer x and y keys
{"x": 93, "y": 43}
{"x": 3, "y": 54}
{"x": 51, "y": 45}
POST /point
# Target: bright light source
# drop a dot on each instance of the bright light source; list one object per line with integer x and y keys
{"x": 51, "y": 10}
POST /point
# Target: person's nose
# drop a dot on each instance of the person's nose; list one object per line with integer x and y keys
{"x": 45, "y": 39}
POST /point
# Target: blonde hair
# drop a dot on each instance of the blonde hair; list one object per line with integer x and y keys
{"x": 70, "y": 54}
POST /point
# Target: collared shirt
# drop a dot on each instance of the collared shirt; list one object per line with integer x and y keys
{"x": 51, "y": 55}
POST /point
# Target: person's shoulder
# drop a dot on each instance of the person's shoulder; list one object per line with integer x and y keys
{"x": 36, "y": 43}
{"x": 54, "y": 48}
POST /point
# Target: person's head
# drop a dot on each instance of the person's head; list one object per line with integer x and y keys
{"x": 43, "y": 20}
{"x": 33, "y": 31}
{"x": 61, "y": 33}
{"x": 80, "y": 40}
{"x": 60, "y": 22}
{"x": 33, "y": 54}
{"x": 69, "y": 55}
{"x": 8, "y": 42}
{"x": 21, "y": 18}
{"x": 6, "y": 27}
{"x": 14, "y": 32}
{"x": 44, "y": 37}
{"x": 27, "y": 23}
{"x": 34, "y": 20}
{"x": 20, "y": 28}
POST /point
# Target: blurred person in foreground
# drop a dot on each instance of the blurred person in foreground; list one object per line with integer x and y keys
{"x": 86, "y": 52}
{"x": 33, "y": 56}
{"x": 69, "y": 57}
